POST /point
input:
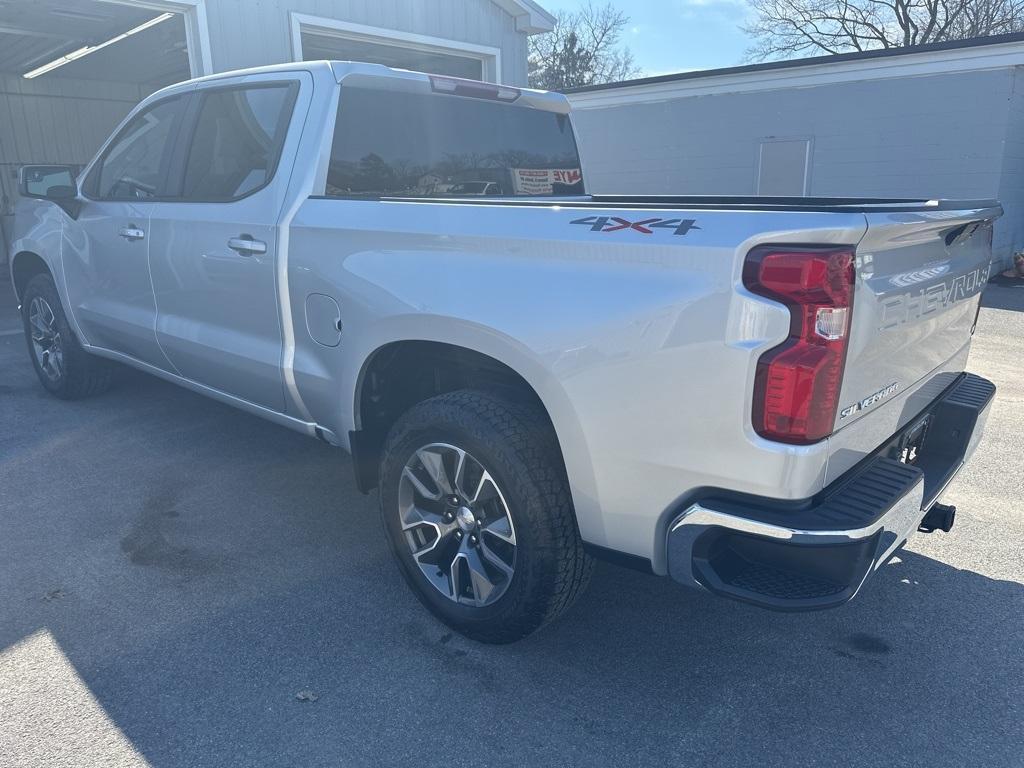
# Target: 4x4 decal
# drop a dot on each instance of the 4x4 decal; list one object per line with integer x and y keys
{"x": 644, "y": 227}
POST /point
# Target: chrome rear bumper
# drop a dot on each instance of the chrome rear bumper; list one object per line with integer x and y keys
{"x": 818, "y": 553}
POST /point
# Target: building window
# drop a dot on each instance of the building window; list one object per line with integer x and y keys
{"x": 320, "y": 37}
{"x": 315, "y": 47}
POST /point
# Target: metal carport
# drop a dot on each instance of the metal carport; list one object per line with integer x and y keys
{"x": 70, "y": 70}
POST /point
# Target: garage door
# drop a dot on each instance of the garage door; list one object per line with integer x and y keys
{"x": 70, "y": 70}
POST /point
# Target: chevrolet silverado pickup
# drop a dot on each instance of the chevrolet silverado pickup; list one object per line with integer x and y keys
{"x": 762, "y": 398}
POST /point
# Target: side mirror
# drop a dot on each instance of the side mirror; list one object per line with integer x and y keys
{"x": 55, "y": 183}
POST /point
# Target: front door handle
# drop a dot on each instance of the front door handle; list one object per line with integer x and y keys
{"x": 131, "y": 232}
{"x": 246, "y": 244}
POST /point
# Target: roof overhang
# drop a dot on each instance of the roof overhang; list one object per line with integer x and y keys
{"x": 961, "y": 56}
{"x": 530, "y": 17}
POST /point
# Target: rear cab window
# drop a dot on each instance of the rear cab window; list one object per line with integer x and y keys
{"x": 395, "y": 143}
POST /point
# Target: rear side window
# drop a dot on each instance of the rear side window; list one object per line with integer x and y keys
{"x": 393, "y": 143}
{"x": 236, "y": 144}
{"x": 134, "y": 165}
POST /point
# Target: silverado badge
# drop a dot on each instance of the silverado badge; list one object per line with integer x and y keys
{"x": 867, "y": 402}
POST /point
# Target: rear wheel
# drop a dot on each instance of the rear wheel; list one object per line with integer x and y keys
{"x": 63, "y": 367}
{"x": 477, "y": 510}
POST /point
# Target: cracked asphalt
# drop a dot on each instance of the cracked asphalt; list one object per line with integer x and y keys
{"x": 182, "y": 584}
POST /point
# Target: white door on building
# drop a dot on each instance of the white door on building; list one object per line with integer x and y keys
{"x": 784, "y": 167}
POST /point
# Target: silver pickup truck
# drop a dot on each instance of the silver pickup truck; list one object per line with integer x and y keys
{"x": 759, "y": 397}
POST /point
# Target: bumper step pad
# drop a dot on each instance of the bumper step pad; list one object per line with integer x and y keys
{"x": 761, "y": 579}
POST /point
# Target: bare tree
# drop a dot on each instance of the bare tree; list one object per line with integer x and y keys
{"x": 988, "y": 17}
{"x": 788, "y": 28}
{"x": 583, "y": 49}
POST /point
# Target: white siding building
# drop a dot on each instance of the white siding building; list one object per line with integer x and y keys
{"x": 943, "y": 120}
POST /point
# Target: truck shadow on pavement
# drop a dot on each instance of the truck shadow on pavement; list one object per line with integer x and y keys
{"x": 1004, "y": 296}
{"x": 199, "y": 569}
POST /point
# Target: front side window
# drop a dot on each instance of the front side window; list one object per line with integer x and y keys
{"x": 394, "y": 143}
{"x": 133, "y": 167}
{"x": 237, "y": 141}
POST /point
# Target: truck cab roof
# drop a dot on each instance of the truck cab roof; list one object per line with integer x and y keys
{"x": 399, "y": 79}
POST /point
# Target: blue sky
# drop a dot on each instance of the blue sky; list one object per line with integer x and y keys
{"x": 668, "y": 36}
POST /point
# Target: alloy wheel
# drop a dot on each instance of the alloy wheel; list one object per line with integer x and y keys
{"x": 457, "y": 525}
{"x": 47, "y": 344}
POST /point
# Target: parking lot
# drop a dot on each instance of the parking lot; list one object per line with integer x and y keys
{"x": 183, "y": 584}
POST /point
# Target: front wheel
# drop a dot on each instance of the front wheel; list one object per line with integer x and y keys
{"x": 64, "y": 368}
{"x": 477, "y": 510}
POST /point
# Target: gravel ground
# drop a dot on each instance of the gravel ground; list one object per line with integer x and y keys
{"x": 174, "y": 574}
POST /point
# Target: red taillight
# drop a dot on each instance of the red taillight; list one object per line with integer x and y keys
{"x": 796, "y": 388}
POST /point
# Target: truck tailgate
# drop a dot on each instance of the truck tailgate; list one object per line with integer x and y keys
{"x": 916, "y": 303}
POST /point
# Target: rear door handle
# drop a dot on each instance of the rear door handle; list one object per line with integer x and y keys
{"x": 245, "y": 244}
{"x": 131, "y": 232}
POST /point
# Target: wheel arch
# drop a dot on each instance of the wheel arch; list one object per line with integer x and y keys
{"x": 24, "y": 266}
{"x": 425, "y": 368}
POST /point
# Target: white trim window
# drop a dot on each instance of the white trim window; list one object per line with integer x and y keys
{"x": 301, "y": 23}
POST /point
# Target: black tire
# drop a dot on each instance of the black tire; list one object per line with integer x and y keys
{"x": 80, "y": 374}
{"x": 515, "y": 443}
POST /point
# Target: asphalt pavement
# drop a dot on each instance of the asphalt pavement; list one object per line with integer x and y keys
{"x": 182, "y": 584}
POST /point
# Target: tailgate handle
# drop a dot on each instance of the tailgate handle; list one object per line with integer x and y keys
{"x": 961, "y": 233}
